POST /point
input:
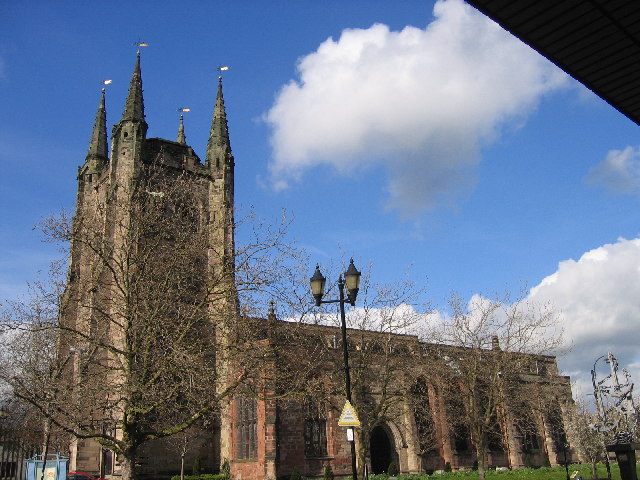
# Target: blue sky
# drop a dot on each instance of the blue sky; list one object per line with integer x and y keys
{"x": 393, "y": 132}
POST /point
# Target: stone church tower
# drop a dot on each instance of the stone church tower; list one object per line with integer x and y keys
{"x": 107, "y": 184}
{"x": 270, "y": 435}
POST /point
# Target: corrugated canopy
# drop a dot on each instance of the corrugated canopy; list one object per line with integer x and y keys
{"x": 595, "y": 41}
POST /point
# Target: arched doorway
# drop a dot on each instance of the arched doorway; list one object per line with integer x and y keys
{"x": 382, "y": 450}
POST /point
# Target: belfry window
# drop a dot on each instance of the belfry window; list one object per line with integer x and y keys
{"x": 247, "y": 428}
{"x": 315, "y": 429}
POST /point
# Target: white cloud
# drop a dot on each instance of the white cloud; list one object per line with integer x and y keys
{"x": 619, "y": 171}
{"x": 420, "y": 102}
{"x": 598, "y": 300}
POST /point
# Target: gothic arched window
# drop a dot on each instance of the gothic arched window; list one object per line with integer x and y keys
{"x": 247, "y": 429}
{"x": 315, "y": 429}
{"x": 423, "y": 416}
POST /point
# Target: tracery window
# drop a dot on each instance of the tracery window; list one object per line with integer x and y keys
{"x": 459, "y": 430}
{"x": 247, "y": 438}
{"x": 461, "y": 437}
{"x": 315, "y": 429}
{"x": 423, "y": 416}
{"x": 528, "y": 433}
{"x": 495, "y": 441}
{"x": 558, "y": 433}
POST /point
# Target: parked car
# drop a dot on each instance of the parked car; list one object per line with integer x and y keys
{"x": 81, "y": 476}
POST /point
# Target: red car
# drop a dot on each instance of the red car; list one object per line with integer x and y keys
{"x": 81, "y": 476}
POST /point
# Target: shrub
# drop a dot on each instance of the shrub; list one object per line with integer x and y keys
{"x": 527, "y": 461}
{"x": 295, "y": 475}
{"x": 204, "y": 476}
{"x": 393, "y": 469}
{"x": 328, "y": 473}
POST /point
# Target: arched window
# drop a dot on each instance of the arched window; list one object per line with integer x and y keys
{"x": 460, "y": 435}
{"x": 556, "y": 424}
{"x": 247, "y": 430}
{"x": 529, "y": 439}
{"x": 315, "y": 429}
{"x": 423, "y": 416}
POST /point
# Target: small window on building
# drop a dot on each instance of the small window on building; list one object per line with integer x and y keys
{"x": 247, "y": 428}
{"x": 315, "y": 429}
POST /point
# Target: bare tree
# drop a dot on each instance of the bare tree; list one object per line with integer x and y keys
{"x": 30, "y": 359}
{"x": 138, "y": 343}
{"x": 590, "y": 441}
{"x": 185, "y": 441}
{"x": 486, "y": 346}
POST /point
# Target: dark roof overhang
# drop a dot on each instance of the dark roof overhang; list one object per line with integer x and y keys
{"x": 595, "y": 41}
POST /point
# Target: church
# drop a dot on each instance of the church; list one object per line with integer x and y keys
{"x": 281, "y": 416}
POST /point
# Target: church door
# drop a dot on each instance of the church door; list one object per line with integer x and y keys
{"x": 382, "y": 450}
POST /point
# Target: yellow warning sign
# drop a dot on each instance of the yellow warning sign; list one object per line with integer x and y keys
{"x": 348, "y": 417}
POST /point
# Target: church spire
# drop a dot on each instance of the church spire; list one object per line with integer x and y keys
{"x": 134, "y": 106}
{"x": 181, "y": 138}
{"x": 97, "y": 154}
{"x": 219, "y": 146}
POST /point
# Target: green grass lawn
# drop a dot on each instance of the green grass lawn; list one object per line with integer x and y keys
{"x": 544, "y": 473}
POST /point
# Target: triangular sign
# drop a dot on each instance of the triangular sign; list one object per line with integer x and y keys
{"x": 348, "y": 417}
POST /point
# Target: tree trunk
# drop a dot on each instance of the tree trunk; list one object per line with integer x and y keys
{"x": 363, "y": 443}
{"x": 127, "y": 465}
{"x": 606, "y": 462}
{"x": 481, "y": 457}
{"x": 594, "y": 469}
{"x": 45, "y": 446}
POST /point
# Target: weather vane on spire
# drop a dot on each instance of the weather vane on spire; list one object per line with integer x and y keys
{"x": 139, "y": 44}
{"x": 222, "y": 68}
{"x": 105, "y": 82}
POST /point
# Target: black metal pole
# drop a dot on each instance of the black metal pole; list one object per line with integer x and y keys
{"x": 602, "y": 416}
{"x": 347, "y": 376}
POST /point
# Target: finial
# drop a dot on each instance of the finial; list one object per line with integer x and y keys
{"x": 272, "y": 311}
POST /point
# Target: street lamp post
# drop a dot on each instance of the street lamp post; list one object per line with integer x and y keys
{"x": 600, "y": 410}
{"x": 566, "y": 457}
{"x": 352, "y": 283}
